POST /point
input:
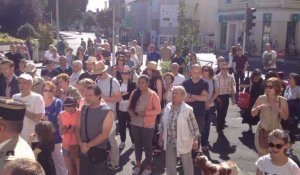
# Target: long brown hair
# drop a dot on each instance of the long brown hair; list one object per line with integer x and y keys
{"x": 46, "y": 134}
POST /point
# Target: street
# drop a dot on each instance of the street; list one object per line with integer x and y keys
{"x": 237, "y": 145}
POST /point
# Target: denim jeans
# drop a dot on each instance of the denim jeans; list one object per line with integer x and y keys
{"x": 209, "y": 114}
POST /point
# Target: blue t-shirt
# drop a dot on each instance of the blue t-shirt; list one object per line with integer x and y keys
{"x": 52, "y": 113}
{"x": 196, "y": 89}
{"x": 153, "y": 56}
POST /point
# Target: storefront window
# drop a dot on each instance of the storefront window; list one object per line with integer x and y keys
{"x": 266, "y": 30}
{"x": 223, "y": 35}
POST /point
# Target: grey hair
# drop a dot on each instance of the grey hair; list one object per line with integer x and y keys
{"x": 181, "y": 89}
{"x": 78, "y": 62}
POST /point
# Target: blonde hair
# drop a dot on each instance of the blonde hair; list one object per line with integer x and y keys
{"x": 86, "y": 82}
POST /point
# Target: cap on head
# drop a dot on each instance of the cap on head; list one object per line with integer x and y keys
{"x": 26, "y": 77}
{"x": 12, "y": 109}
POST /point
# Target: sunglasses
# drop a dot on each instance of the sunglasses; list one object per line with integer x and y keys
{"x": 278, "y": 146}
{"x": 269, "y": 87}
{"x": 50, "y": 91}
{"x": 125, "y": 73}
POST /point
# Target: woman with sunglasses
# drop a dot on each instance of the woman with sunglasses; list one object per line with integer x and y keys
{"x": 277, "y": 162}
{"x": 271, "y": 108}
{"x": 119, "y": 67}
{"x": 210, "y": 109}
{"x": 53, "y": 107}
{"x": 126, "y": 88}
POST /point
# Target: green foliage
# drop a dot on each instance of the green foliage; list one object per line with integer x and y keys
{"x": 46, "y": 36}
{"x": 89, "y": 19}
{"x": 165, "y": 66}
{"x": 188, "y": 31}
{"x": 104, "y": 21}
{"x": 7, "y": 39}
{"x": 14, "y": 13}
{"x": 25, "y": 31}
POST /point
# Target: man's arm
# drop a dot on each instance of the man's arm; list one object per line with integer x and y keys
{"x": 116, "y": 97}
{"x": 107, "y": 125}
{"x": 35, "y": 117}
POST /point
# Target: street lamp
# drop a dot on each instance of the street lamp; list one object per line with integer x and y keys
{"x": 57, "y": 20}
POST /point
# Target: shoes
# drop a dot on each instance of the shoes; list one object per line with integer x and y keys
{"x": 136, "y": 171}
{"x": 146, "y": 172}
{"x": 113, "y": 168}
{"x": 122, "y": 145}
{"x": 132, "y": 146}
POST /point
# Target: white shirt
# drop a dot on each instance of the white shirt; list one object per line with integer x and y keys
{"x": 74, "y": 77}
{"x": 48, "y": 55}
{"x": 173, "y": 49}
{"x": 178, "y": 79}
{"x": 265, "y": 165}
{"x": 274, "y": 58}
{"x": 34, "y": 104}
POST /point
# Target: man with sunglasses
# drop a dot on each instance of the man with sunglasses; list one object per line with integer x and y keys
{"x": 226, "y": 83}
{"x": 111, "y": 94}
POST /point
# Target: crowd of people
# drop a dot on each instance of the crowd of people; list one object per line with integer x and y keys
{"x": 71, "y": 114}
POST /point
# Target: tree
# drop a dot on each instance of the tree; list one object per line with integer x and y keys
{"x": 25, "y": 31}
{"x": 69, "y": 10}
{"x": 89, "y": 19}
{"x": 14, "y": 13}
{"x": 45, "y": 35}
{"x": 104, "y": 21}
{"x": 188, "y": 30}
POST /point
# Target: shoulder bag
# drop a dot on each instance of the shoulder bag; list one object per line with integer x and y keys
{"x": 95, "y": 154}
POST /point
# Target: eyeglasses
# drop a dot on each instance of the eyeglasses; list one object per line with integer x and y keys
{"x": 125, "y": 73}
{"x": 269, "y": 87}
{"x": 205, "y": 70}
{"x": 278, "y": 146}
{"x": 50, "y": 91}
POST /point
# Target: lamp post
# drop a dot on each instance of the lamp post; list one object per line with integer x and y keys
{"x": 57, "y": 20}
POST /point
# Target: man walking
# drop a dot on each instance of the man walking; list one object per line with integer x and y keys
{"x": 269, "y": 58}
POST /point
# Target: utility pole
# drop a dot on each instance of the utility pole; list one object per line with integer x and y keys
{"x": 245, "y": 29}
{"x": 113, "y": 37}
{"x": 57, "y": 20}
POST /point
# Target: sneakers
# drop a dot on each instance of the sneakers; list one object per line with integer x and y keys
{"x": 122, "y": 145}
{"x": 113, "y": 168}
{"x": 146, "y": 172}
{"x": 132, "y": 146}
{"x": 136, "y": 171}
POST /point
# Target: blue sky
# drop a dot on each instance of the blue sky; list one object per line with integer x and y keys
{"x": 93, "y": 4}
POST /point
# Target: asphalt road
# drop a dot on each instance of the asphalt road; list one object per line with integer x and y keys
{"x": 237, "y": 145}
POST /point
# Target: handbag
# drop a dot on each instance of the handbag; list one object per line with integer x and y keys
{"x": 74, "y": 151}
{"x": 95, "y": 154}
{"x": 263, "y": 137}
{"x": 243, "y": 100}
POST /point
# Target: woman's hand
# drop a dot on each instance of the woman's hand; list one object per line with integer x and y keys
{"x": 262, "y": 106}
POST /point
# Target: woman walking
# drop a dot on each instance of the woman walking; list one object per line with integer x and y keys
{"x": 271, "y": 108}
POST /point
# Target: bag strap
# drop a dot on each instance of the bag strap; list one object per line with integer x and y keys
{"x": 110, "y": 89}
{"x": 214, "y": 85}
{"x": 86, "y": 130}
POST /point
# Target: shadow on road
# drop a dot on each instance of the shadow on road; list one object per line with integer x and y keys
{"x": 223, "y": 147}
{"x": 248, "y": 139}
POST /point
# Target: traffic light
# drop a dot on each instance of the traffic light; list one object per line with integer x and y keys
{"x": 140, "y": 34}
{"x": 249, "y": 20}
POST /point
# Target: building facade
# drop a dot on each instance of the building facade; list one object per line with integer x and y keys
{"x": 277, "y": 22}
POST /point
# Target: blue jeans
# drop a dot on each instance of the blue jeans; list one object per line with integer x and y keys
{"x": 206, "y": 126}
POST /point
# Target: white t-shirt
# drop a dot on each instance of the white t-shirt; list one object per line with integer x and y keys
{"x": 265, "y": 165}
{"x": 178, "y": 79}
{"x": 104, "y": 85}
{"x": 34, "y": 104}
